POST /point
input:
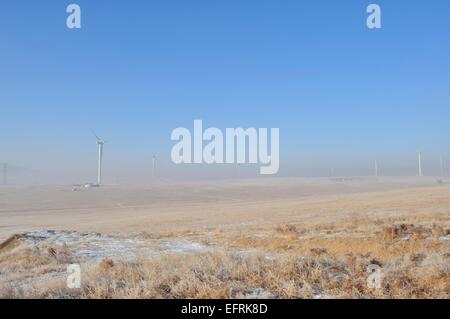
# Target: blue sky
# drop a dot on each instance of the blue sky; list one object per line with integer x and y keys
{"x": 338, "y": 91}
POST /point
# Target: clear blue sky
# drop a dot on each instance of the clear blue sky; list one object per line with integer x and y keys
{"x": 338, "y": 91}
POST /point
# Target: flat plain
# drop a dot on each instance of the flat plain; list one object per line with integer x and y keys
{"x": 261, "y": 238}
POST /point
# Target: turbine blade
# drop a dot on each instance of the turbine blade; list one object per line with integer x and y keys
{"x": 98, "y": 138}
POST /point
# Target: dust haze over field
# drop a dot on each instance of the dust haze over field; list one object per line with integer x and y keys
{"x": 163, "y": 205}
{"x": 261, "y": 238}
{"x": 133, "y": 142}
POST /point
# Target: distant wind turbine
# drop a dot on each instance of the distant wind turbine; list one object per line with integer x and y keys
{"x": 442, "y": 166}
{"x": 100, "y": 144}
{"x": 154, "y": 166}
{"x": 376, "y": 168}
{"x": 420, "y": 163}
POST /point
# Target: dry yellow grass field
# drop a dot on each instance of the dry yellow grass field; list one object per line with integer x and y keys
{"x": 286, "y": 238}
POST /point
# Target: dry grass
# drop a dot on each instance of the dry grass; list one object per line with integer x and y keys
{"x": 280, "y": 265}
{"x": 222, "y": 275}
{"x": 320, "y": 255}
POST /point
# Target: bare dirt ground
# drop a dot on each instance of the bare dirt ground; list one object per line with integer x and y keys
{"x": 275, "y": 238}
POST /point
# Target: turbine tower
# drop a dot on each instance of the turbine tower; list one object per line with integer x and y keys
{"x": 100, "y": 144}
{"x": 442, "y": 166}
{"x": 420, "y": 163}
{"x": 376, "y": 168}
{"x": 154, "y": 166}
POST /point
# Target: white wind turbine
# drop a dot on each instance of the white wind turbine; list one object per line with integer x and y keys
{"x": 420, "y": 163}
{"x": 154, "y": 166}
{"x": 376, "y": 168}
{"x": 100, "y": 144}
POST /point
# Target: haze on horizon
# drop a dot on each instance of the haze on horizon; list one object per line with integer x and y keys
{"x": 342, "y": 95}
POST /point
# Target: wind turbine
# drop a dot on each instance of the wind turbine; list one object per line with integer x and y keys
{"x": 376, "y": 168}
{"x": 420, "y": 163}
{"x": 100, "y": 144}
{"x": 442, "y": 166}
{"x": 154, "y": 166}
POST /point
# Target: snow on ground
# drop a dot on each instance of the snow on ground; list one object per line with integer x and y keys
{"x": 94, "y": 246}
{"x": 184, "y": 246}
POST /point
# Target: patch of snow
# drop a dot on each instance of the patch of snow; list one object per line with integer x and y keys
{"x": 87, "y": 245}
{"x": 94, "y": 246}
{"x": 184, "y": 246}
